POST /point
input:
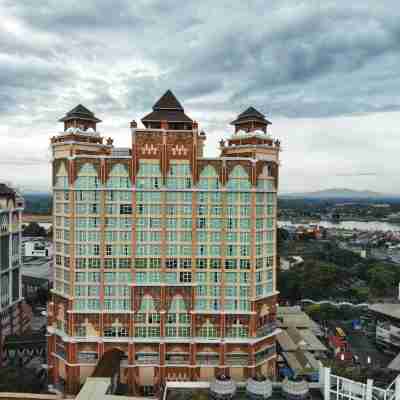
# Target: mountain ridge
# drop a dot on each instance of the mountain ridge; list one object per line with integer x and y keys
{"x": 339, "y": 193}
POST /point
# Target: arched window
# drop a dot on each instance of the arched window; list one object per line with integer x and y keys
{"x": 177, "y": 318}
{"x": 177, "y": 305}
{"x": 149, "y": 175}
{"x": 87, "y": 177}
{"x": 147, "y": 304}
{"x": 119, "y": 177}
{"x": 179, "y": 175}
{"x": 61, "y": 176}
{"x": 238, "y": 179}
{"x": 208, "y": 178}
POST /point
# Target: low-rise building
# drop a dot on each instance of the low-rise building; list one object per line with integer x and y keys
{"x": 14, "y": 313}
{"x": 36, "y": 274}
{"x": 36, "y": 247}
{"x": 298, "y": 346}
{"x": 287, "y": 263}
{"x": 386, "y": 319}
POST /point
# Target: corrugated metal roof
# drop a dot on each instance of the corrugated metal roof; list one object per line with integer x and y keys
{"x": 285, "y": 341}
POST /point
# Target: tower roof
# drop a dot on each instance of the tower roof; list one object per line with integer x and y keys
{"x": 167, "y": 108}
{"x": 250, "y": 114}
{"x": 80, "y": 112}
{"x": 168, "y": 101}
{"x": 6, "y": 190}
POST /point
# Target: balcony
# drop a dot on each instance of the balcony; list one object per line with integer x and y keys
{"x": 147, "y": 359}
{"x": 267, "y": 329}
{"x": 177, "y": 359}
{"x": 237, "y": 359}
{"x": 265, "y": 354}
{"x": 207, "y": 359}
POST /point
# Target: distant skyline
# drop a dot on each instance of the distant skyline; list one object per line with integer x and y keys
{"x": 325, "y": 74}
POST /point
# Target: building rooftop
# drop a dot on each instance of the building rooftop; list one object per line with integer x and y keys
{"x": 395, "y": 363}
{"x": 80, "y": 112}
{"x": 294, "y": 316}
{"x": 293, "y": 339}
{"x": 250, "y": 114}
{"x": 389, "y": 309}
{"x": 300, "y": 362}
{"x": 168, "y": 101}
{"x": 35, "y": 267}
{"x": 6, "y": 190}
{"x": 167, "y": 108}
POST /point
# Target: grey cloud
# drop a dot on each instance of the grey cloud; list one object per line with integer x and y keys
{"x": 300, "y": 60}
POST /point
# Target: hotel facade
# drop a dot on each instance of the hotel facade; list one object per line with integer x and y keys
{"x": 14, "y": 314}
{"x": 163, "y": 253}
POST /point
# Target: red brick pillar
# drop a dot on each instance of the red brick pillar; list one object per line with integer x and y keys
{"x": 72, "y": 385}
{"x": 52, "y": 361}
{"x": 253, "y": 325}
{"x": 192, "y": 356}
{"x": 162, "y": 371}
{"x": 222, "y": 367}
{"x": 131, "y": 369}
{"x": 100, "y": 349}
{"x": 193, "y": 324}
{"x": 252, "y": 361}
{"x": 72, "y": 370}
{"x": 163, "y": 316}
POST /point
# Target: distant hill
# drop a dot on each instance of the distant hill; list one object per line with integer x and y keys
{"x": 338, "y": 193}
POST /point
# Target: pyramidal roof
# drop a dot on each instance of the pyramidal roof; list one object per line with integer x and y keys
{"x": 249, "y": 114}
{"x": 168, "y": 101}
{"x": 80, "y": 112}
{"x": 167, "y": 108}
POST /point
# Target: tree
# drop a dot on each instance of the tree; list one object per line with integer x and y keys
{"x": 381, "y": 278}
{"x": 34, "y": 229}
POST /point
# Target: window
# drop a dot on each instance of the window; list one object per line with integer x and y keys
{"x": 201, "y": 263}
{"x": 125, "y": 209}
{"x": 110, "y": 331}
{"x": 185, "y": 277}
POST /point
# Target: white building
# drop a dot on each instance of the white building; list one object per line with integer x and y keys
{"x": 36, "y": 247}
{"x": 14, "y": 314}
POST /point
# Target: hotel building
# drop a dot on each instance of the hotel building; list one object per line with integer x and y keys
{"x": 14, "y": 314}
{"x": 163, "y": 253}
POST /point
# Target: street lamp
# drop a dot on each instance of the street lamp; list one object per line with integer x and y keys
{"x": 342, "y": 356}
{"x": 369, "y": 360}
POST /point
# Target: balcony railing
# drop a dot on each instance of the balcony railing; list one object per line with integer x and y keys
{"x": 237, "y": 360}
{"x": 211, "y": 359}
{"x": 178, "y": 359}
{"x": 146, "y": 360}
{"x": 267, "y": 329}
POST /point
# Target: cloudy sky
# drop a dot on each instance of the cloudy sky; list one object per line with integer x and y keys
{"x": 326, "y": 73}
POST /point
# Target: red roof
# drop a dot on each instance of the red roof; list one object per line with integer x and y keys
{"x": 337, "y": 341}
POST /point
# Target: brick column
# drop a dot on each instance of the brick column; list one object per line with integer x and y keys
{"x": 162, "y": 369}
{"x": 131, "y": 370}
{"x": 252, "y": 361}
{"x": 193, "y": 362}
{"x": 253, "y": 321}
{"x": 163, "y": 316}
{"x": 72, "y": 384}
{"x": 221, "y": 368}
{"x": 52, "y": 362}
